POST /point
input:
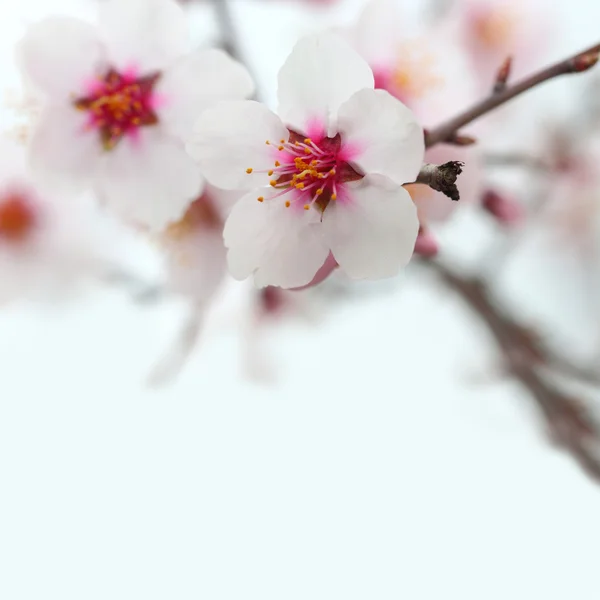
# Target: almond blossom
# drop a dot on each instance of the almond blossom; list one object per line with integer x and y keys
{"x": 118, "y": 99}
{"x": 325, "y": 176}
{"x": 193, "y": 245}
{"x": 48, "y": 243}
{"x": 196, "y": 268}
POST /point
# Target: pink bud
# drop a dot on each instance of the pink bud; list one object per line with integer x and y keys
{"x": 505, "y": 209}
{"x": 272, "y": 300}
{"x": 426, "y": 245}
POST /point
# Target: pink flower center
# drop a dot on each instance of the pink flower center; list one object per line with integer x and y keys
{"x": 17, "y": 217}
{"x": 118, "y": 104}
{"x": 309, "y": 173}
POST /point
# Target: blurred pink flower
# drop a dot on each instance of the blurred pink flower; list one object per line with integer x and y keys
{"x": 118, "y": 100}
{"x": 335, "y": 161}
{"x": 492, "y": 30}
{"x": 48, "y": 243}
{"x": 576, "y": 221}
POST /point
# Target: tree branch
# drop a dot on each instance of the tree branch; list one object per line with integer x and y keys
{"x": 575, "y": 64}
{"x": 570, "y": 422}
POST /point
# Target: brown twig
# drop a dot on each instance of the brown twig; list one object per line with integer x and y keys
{"x": 570, "y": 422}
{"x": 502, "y": 76}
{"x": 442, "y": 178}
{"x": 575, "y": 64}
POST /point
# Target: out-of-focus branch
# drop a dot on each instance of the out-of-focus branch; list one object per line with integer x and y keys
{"x": 229, "y": 37}
{"x": 514, "y": 159}
{"x": 575, "y": 64}
{"x": 570, "y": 422}
{"x": 442, "y": 178}
{"x": 140, "y": 291}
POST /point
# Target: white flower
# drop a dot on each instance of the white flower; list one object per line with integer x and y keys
{"x": 48, "y": 244}
{"x": 119, "y": 99}
{"x": 196, "y": 269}
{"x": 333, "y": 166}
{"x": 194, "y": 246}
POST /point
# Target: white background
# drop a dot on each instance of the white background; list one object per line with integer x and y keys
{"x": 373, "y": 468}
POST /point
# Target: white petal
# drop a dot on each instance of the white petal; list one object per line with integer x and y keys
{"x": 230, "y": 138}
{"x": 62, "y": 151}
{"x": 321, "y": 73}
{"x": 372, "y": 233}
{"x": 385, "y": 135}
{"x": 59, "y": 55}
{"x": 280, "y": 246}
{"x": 146, "y": 35}
{"x": 196, "y": 82}
{"x": 150, "y": 181}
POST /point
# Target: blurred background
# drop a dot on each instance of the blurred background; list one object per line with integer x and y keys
{"x": 424, "y": 437}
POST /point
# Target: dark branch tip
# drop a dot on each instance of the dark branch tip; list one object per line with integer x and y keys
{"x": 442, "y": 178}
{"x": 446, "y": 181}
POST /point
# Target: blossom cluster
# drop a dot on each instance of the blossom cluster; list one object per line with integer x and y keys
{"x": 133, "y": 123}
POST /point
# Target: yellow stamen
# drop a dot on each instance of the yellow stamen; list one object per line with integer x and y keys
{"x": 334, "y": 196}
{"x": 270, "y": 173}
{"x": 260, "y": 199}
{"x": 280, "y": 148}
{"x": 299, "y": 186}
{"x": 248, "y": 171}
{"x": 272, "y": 183}
{"x": 277, "y": 163}
{"x": 306, "y": 206}
{"x": 307, "y": 141}
{"x": 319, "y": 191}
{"x": 287, "y": 203}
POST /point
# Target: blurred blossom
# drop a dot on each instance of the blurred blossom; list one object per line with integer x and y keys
{"x": 492, "y": 30}
{"x": 424, "y": 67}
{"x": 119, "y": 98}
{"x": 574, "y": 202}
{"x": 194, "y": 246}
{"x": 49, "y": 243}
{"x": 335, "y": 162}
